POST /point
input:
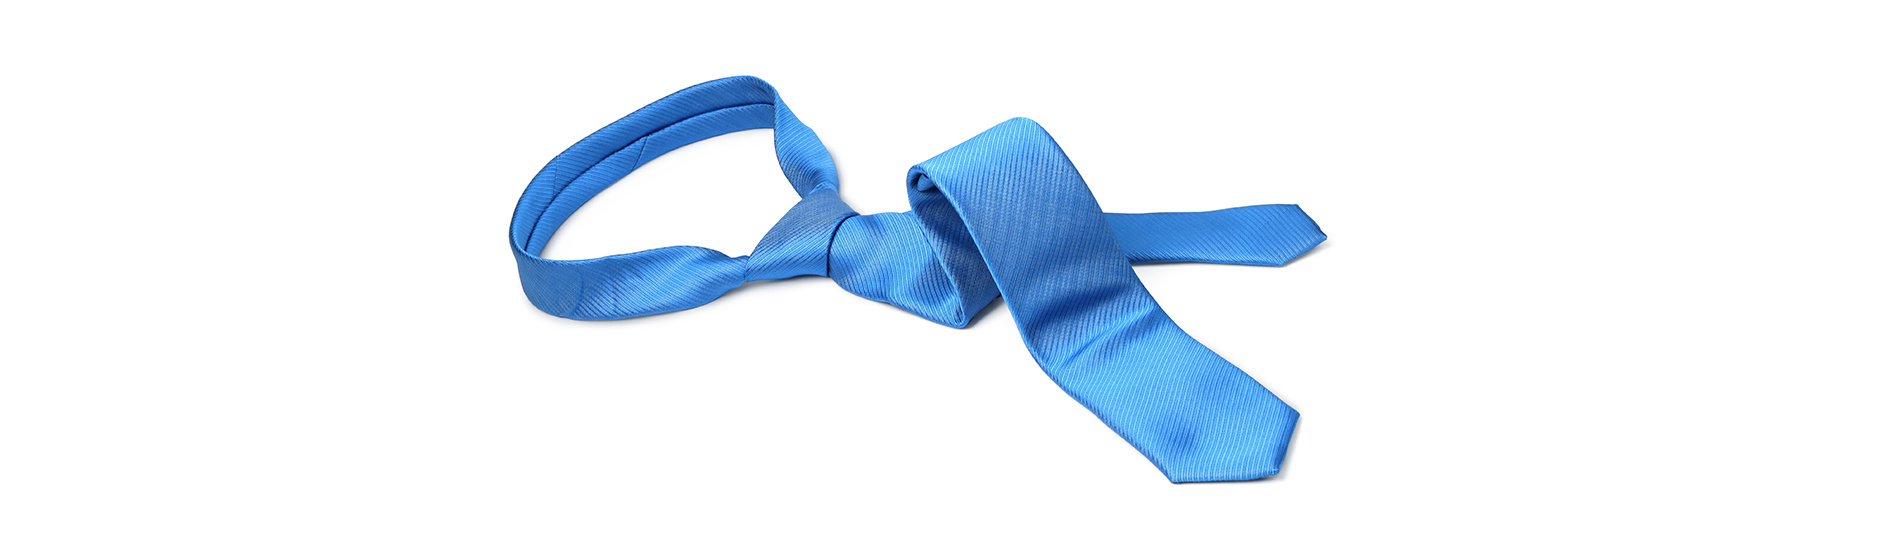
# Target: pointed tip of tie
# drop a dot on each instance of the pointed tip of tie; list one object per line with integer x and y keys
{"x": 1234, "y": 477}
{"x": 1251, "y": 455}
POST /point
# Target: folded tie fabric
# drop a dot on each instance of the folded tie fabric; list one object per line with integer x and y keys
{"x": 1002, "y": 214}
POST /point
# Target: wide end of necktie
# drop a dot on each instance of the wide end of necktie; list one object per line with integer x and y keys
{"x": 1008, "y": 208}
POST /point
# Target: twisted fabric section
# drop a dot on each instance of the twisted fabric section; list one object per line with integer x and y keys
{"x": 1003, "y": 214}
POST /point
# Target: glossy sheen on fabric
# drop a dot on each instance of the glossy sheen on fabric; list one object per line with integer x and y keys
{"x": 1002, "y": 214}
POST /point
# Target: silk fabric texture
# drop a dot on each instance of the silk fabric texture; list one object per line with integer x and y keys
{"x": 1002, "y": 214}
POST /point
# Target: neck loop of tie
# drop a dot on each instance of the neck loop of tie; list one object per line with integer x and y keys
{"x": 1004, "y": 214}
{"x": 677, "y": 277}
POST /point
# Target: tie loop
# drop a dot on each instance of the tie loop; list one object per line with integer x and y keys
{"x": 662, "y": 279}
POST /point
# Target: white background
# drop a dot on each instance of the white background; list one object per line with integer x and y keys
{"x": 1598, "y": 271}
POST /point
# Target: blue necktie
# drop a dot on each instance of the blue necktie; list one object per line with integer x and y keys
{"x": 1004, "y": 213}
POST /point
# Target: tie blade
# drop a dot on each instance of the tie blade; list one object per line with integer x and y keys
{"x": 1238, "y": 455}
{"x": 1270, "y": 235}
{"x": 1010, "y": 204}
{"x": 1189, "y": 411}
{"x": 1234, "y": 458}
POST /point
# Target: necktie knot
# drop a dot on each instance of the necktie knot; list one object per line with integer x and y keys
{"x": 800, "y": 243}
